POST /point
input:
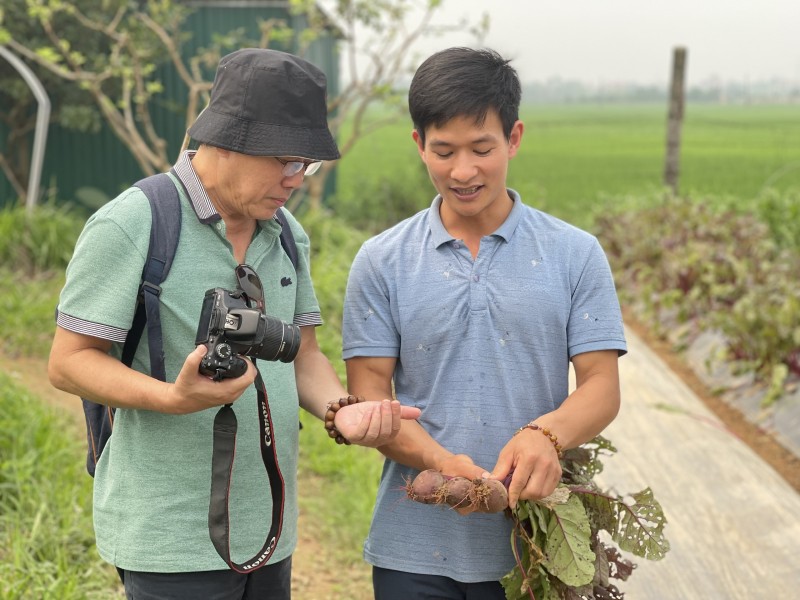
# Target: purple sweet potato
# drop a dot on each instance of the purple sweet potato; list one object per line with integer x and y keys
{"x": 426, "y": 487}
{"x": 489, "y": 495}
{"x": 457, "y": 492}
{"x": 432, "y": 487}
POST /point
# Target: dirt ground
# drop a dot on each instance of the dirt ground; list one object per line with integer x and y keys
{"x": 319, "y": 573}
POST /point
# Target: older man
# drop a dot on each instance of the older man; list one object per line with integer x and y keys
{"x": 263, "y": 131}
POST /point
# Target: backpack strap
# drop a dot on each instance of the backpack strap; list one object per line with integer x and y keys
{"x": 165, "y": 208}
{"x": 287, "y": 237}
{"x": 166, "y": 217}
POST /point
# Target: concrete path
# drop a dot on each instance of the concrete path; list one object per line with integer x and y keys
{"x": 733, "y": 522}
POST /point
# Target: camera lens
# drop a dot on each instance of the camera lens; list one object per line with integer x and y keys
{"x": 281, "y": 341}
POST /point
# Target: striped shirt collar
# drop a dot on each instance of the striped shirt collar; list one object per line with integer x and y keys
{"x": 198, "y": 197}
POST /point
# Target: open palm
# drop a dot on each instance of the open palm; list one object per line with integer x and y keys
{"x": 372, "y": 423}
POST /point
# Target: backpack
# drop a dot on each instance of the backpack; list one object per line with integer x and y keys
{"x": 165, "y": 207}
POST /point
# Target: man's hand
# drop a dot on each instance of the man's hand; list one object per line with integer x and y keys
{"x": 461, "y": 465}
{"x": 193, "y": 392}
{"x": 534, "y": 463}
{"x": 372, "y": 423}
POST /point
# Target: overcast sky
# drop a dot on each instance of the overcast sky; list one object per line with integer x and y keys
{"x": 602, "y": 41}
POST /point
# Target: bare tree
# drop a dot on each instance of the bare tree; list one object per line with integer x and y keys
{"x": 136, "y": 37}
{"x": 379, "y": 59}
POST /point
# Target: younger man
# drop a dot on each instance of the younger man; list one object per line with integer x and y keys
{"x": 471, "y": 310}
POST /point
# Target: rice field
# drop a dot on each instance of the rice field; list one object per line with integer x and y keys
{"x": 575, "y": 159}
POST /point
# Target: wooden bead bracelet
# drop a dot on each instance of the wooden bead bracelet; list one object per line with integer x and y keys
{"x": 330, "y": 415}
{"x": 551, "y": 436}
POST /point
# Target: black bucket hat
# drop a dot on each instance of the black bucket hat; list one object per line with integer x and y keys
{"x": 267, "y": 103}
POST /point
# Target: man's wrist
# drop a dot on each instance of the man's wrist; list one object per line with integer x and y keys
{"x": 547, "y": 433}
{"x": 330, "y": 417}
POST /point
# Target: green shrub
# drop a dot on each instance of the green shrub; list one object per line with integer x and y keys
{"x": 781, "y": 213}
{"x": 695, "y": 263}
{"x": 762, "y": 327}
{"x": 373, "y": 204}
{"x": 690, "y": 256}
{"x": 778, "y": 210}
{"x": 40, "y": 241}
{"x": 334, "y": 244}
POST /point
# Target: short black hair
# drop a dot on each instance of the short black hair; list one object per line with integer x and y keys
{"x": 464, "y": 82}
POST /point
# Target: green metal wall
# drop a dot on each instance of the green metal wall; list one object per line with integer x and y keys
{"x": 74, "y": 160}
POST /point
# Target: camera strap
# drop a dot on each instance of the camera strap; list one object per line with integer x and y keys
{"x": 225, "y": 426}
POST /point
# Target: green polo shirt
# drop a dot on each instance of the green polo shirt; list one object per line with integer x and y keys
{"x": 152, "y": 485}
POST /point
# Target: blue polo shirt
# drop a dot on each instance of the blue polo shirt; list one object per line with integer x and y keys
{"x": 482, "y": 347}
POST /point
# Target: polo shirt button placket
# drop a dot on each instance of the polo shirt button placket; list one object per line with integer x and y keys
{"x": 477, "y": 289}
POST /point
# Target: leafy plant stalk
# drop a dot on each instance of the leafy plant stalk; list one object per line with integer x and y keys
{"x": 562, "y": 555}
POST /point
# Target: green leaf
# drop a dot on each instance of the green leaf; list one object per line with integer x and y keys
{"x": 641, "y": 527}
{"x": 538, "y": 582}
{"x": 601, "y": 508}
{"x": 557, "y": 546}
{"x": 49, "y": 54}
{"x": 154, "y": 87}
{"x": 512, "y": 584}
{"x": 539, "y": 520}
{"x": 568, "y": 555}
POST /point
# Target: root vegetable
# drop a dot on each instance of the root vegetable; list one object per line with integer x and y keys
{"x": 426, "y": 487}
{"x": 489, "y": 495}
{"x": 457, "y": 492}
{"x": 432, "y": 487}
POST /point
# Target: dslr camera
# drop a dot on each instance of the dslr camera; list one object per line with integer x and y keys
{"x": 230, "y": 328}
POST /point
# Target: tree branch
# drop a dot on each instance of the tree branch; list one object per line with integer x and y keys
{"x": 12, "y": 178}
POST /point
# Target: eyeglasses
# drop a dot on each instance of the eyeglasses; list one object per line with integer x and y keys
{"x": 250, "y": 285}
{"x": 293, "y": 167}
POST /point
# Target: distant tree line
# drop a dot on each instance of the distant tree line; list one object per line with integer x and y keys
{"x": 712, "y": 91}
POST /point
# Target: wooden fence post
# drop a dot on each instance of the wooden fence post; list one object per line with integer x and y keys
{"x": 675, "y": 120}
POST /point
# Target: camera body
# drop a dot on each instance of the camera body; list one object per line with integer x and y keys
{"x": 230, "y": 328}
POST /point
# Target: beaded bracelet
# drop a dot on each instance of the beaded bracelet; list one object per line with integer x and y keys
{"x": 551, "y": 436}
{"x": 330, "y": 415}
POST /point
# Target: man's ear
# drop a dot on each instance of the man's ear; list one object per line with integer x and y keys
{"x": 420, "y": 145}
{"x": 515, "y": 139}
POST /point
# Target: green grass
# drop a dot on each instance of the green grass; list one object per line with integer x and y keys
{"x": 46, "y": 534}
{"x": 27, "y": 311}
{"x": 742, "y": 150}
{"x": 568, "y": 158}
{"x": 342, "y": 508}
{"x": 574, "y": 159}
{"x": 34, "y": 251}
